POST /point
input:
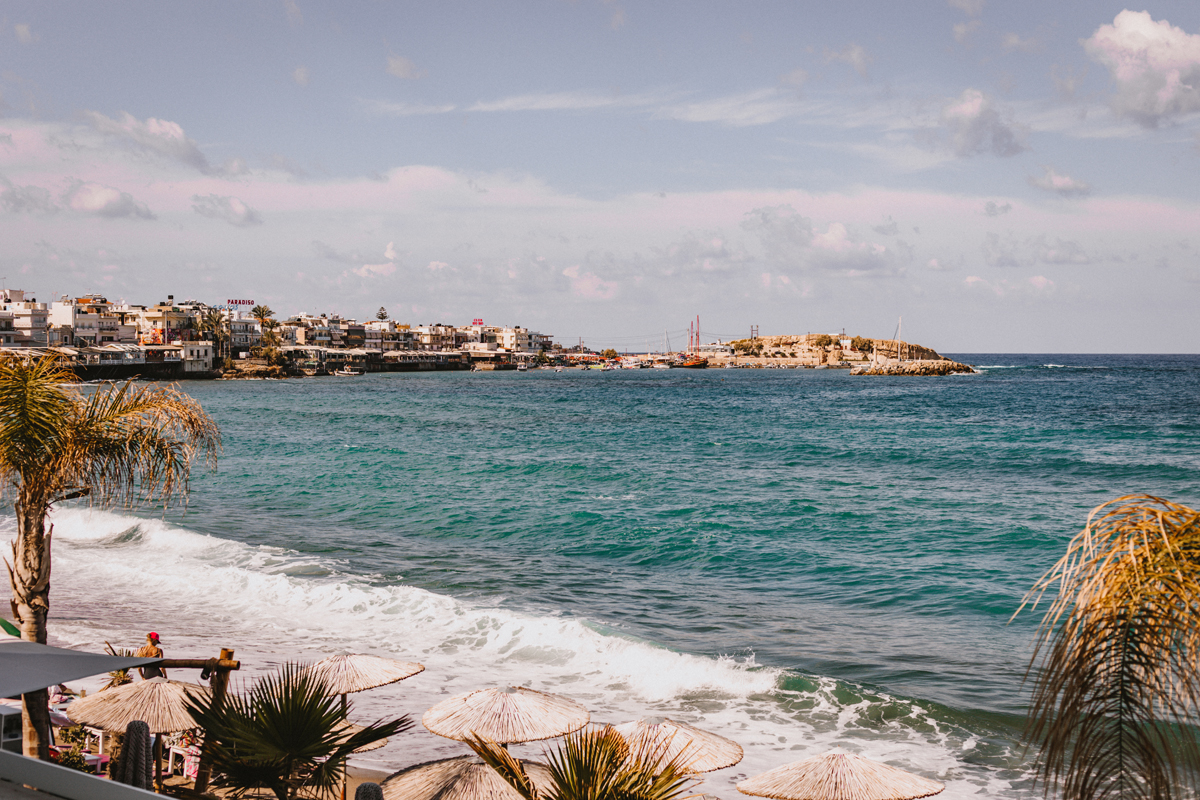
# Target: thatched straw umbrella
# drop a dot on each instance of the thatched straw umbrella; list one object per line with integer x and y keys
{"x": 160, "y": 703}
{"x": 460, "y": 778}
{"x": 839, "y": 776}
{"x": 505, "y": 715}
{"x": 357, "y": 672}
{"x": 701, "y": 751}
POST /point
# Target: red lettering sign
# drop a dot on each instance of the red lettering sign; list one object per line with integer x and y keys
{"x": 239, "y": 302}
{"x": 477, "y": 321}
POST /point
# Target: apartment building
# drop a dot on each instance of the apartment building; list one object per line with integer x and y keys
{"x": 30, "y": 318}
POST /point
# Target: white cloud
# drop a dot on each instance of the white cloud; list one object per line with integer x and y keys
{"x": 152, "y": 135}
{"x": 760, "y": 107}
{"x": 1156, "y": 67}
{"x": 229, "y": 209}
{"x": 401, "y": 67}
{"x": 797, "y": 78}
{"x": 294, "y": 15}
{"x": 976, "y": 126}
{"x": 999, "y": 252}
{"x": 1063, "y": 185}
{"x": 1014, "y": 41}
{"x": 972, "y": 7}
{"x": 964, "y": 29}
{"x": 853, "y": 54}
{"x": 387, "y": 108}
{"x": 104, "y": 201}
{"x": 566, "y": 101}
{"x": 374, "y": 270}
{"x": 993, "y": 209}
{"x": 27, "y": 200}
{"x": 1060, "y": 252}
{"x": 300, "y": 75}
{"x": 24, "y": 34}
{"x": 589, "y": 286}
{"x": 790, "y": 240}
{"x": 390, "y": 252}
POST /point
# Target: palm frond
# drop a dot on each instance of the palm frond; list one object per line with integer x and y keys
{"x": 1118, "y": 690}
{"x": 285, "y": 734}
{"x": 594, "y": 765}
{"x": 506, "y": 766}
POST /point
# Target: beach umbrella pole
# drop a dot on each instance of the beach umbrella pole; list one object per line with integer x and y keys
{"x": 158, "y": 778}
{"x": 346, "y": 761}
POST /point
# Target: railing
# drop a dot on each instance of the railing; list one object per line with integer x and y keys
{"x": 66, "y": 783}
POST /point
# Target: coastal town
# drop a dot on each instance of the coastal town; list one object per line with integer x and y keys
{"x": 101, "y": 339}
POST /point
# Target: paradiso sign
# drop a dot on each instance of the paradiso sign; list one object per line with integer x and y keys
{"x": 232, "y": 305}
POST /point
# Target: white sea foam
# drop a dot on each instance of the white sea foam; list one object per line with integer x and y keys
{"x": 117, "y": 576}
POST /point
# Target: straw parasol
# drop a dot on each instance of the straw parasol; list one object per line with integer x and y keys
{"x": 506, "y": 715}
{"x": 702, "y": 751}
{"x": 356, "y": 672}
{"x": 460, "y": 778}
{"x": 839, "y": 776}
{"x": 160, "y": 703}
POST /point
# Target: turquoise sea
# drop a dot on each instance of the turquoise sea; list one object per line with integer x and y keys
{"x": 796, "y": 559}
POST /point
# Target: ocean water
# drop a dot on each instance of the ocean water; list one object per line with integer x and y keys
{"x": 796, "y": 559}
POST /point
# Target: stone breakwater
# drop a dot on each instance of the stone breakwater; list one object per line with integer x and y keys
{"x": 924, "y": 367}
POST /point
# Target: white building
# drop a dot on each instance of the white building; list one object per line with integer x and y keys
{"x": 30, "y": 318}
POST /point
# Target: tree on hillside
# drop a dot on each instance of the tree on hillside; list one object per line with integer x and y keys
{"x": 121, "y": 445}
{"x": 824, "y": 340}
{"x": 862, "y": 344}
{"x": 609, "y": 353}
{"x": 381, "y": 314}
{"x": 1118, "y": 686}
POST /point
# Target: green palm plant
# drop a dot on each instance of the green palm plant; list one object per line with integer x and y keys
{"x": 593, "y": 765}
{"x": 262, "y": 313}
{"x": 1115, "y": 701}
{"x": 213, "y": 321}
{"x": 287, "y": 734}
{"x": 123, "y": 445}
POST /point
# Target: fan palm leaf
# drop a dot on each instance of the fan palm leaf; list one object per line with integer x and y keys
{"x": 1115, "y": 700}
{"x": 285, "y": 734}
{"x": 593, "y": 765}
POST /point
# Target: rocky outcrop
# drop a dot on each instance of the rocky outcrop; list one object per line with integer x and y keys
{"x": 942, "y": 366}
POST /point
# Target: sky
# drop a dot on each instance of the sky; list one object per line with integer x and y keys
{"x": 1003, "y": 177}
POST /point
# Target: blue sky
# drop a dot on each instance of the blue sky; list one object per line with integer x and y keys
{"x": 1005, "y": 176}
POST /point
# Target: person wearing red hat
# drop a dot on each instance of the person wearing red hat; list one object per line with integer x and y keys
{"x": 151, "y": 650}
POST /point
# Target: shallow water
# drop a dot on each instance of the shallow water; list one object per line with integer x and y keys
{"x": 796, "y": 559}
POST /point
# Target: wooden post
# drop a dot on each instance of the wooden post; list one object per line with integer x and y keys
{"x": 219, "y": 682}
{"x": 158, "y": 778}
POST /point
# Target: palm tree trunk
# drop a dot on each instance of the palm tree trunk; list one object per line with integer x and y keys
{"x": 29, "y": 575}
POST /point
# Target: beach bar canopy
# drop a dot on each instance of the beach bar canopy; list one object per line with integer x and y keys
{"x": 505, "y": 715}
{"x": 694, "y": 749}
{"x": 461, "y": 778}
{"x": 839, "y": 776}
{"x": 29, "y": 666}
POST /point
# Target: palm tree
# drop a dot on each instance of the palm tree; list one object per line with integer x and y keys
{"x": 1116, "y": 699}
{"x": 593, "y": 765}
{"x": 213, "y": 321}
{"x": 262, "y": 313}
{"x": 121, "y": 445}
{"x": 287, "y": 734}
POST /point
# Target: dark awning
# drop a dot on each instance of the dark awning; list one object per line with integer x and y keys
{"x": 27, "y": 666}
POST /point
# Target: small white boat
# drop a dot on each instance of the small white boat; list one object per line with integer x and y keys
{"x": 522, "y": 367}
{"x": 349, "y": 371}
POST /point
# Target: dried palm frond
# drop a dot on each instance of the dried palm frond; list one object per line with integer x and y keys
{"x": 1116, "y": 697}
{"x": 839, "y": 776}
{"x": 118, "y": 677}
